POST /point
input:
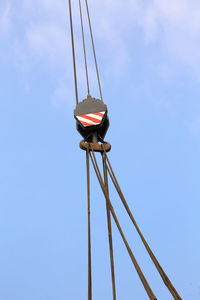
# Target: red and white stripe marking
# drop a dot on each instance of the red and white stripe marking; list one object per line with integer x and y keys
{"x": 91, "y": 119}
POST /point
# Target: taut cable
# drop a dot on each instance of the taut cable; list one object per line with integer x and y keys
{"x": 84, "y": 49}
{"x": 134, "y": 261}
{"x": 73, "y": 51}
{"x": 89, "y": 229}
{"x": 109, "y": 227}
{"x": 163, "y": 275}
{"x": 93, "y": 47}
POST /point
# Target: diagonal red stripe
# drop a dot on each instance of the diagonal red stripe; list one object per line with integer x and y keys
{"x": 91, "y": 119}
{"x": 99, "y": 114}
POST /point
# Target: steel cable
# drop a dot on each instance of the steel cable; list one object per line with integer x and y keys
{"x": 109, "y": 228}
{"x": 73, "y": 51}
{"x": 84, "y": 49}
{"x": 89, "y": 229}
{"x": 93, "y": 47}
{"x": 163, "y": 275}
{"x": 134, "y": 261}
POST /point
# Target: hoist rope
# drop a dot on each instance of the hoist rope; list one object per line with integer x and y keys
{"x": 134, "y": 261}
{"x": 73, "y": 51}
{"x": 89, "y": 229}
{"x": 109, "y": 227}
{"x": 163, "y": 275}
{"x": 94, "y": 52}
{"x": 84, "y": 49}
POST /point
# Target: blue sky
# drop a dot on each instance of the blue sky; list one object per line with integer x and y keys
{"x": 149, "y": 61}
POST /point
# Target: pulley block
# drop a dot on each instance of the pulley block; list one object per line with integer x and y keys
{"x": 92, "y": 119}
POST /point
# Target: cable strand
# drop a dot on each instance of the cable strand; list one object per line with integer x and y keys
{"x": 134, "y": 261}
{"x": 84, "y": 48}
{"x": 89, "y": 229}
{"x": 73, "y": 51}
{"x": 163, "y": 275}
{"x": 109, "y": 227}
{"x": 93, "y": 47}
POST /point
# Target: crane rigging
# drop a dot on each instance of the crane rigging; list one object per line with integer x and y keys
{"x": 92, "y": 123}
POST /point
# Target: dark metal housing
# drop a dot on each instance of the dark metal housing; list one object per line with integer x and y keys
{"x": 86, "y": 109}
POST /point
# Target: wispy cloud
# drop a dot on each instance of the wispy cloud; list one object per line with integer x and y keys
{"x": 47, "y": 41}
{"x": 177, "y": 25}
{"x": 45, "y": 36}
{"x": 5, "y": 19}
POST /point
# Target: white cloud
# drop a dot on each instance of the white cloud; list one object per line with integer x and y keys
{"x": 45, "y": 34}
{"x": 47, "y": 41}
{"x": 177, "y": 25}
{"x": 5, "y": 19}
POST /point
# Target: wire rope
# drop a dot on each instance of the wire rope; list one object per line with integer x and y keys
{"x": 109, "y": 227}
{"x": 163, "y": 275}
{"x": 134, "y": 261}
{"x": 89, "y": 229}
{"x": 73, "y": 51}
{"x": 84, "y": 49}
{"x": 93, "y": 47}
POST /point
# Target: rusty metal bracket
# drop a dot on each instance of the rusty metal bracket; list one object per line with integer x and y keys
{"x": 95, "y": 146}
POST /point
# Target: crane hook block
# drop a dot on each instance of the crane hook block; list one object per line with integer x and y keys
{"x": 91, "y": 119}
